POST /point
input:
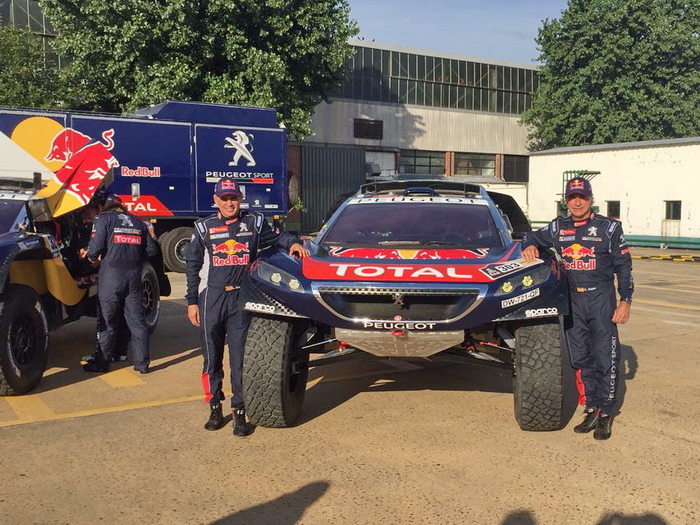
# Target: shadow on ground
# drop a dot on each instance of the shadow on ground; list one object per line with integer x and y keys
{"x": 285, "y": 510}
{"x": 525, "y": 517}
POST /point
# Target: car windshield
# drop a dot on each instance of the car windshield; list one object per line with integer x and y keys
{"x": 463, "y": 225}
{"x": 9, "y": 210}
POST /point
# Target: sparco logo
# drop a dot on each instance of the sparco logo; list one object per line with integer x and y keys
{"x": 404, "y": 325}
{"x": 541, "y": 312}
{"x": 240, "y": 141}
{"x": 258, "y": 307}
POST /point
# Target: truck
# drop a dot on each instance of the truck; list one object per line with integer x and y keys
{"x": 167, "y": 159}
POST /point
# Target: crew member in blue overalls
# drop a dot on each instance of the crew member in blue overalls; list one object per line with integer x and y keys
{"x": 229, "y": 241}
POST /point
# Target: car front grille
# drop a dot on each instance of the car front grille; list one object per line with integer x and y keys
{"x": 385, "y": 304}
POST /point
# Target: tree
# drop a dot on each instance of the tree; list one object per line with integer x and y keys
{"x": 617, "y": 71}
{"x": 27, "y": 78}
{"x": 287, "y": 54}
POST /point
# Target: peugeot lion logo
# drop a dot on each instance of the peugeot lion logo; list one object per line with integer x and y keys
{"x": 241, "y": 142}
{"x": 398, "y": 300}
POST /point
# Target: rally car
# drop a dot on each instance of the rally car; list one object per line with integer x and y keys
{"x": 40, "y": 289}
{"x": 409, "y": 269}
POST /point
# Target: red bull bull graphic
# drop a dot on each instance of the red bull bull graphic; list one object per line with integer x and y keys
{"x": 236, "y": 253}
{"x": 578, "y": 252}
{"x": 393, "y": 253}
{"x": 87, "y": 163}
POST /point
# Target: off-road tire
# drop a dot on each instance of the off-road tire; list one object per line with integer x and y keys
{"x": 538, "y": 388}
{"x": 151, "y": 296}
{"x": 275, "y": 370}
{"x": 24, "y": 338}
{"x": 174, "y": 245}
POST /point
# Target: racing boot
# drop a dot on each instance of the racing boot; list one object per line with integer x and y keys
{"x": 590, "y": 420}
{"x": 96, "y": 364}
{"x": 216, "y": 418}
{"x": 241, "y": 427}
{"x": 603, "y": 429}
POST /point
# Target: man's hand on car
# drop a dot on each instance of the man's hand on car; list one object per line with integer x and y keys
{"x": 531, "y": 252}
{"x": 193, "y": 314}
{"x": 297, "y": 250}
{"x": 622, "y": 313}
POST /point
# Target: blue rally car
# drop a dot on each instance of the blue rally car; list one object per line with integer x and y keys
{"x": 408, "y": 269}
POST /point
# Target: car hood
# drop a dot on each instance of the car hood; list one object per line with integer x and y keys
{"x": 429, "y": 264}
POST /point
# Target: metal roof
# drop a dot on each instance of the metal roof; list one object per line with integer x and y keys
{"x": 620, "y": 145}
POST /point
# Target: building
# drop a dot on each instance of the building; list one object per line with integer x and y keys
{"x": 649, "y": 185}
{"x": 404, "y": 110}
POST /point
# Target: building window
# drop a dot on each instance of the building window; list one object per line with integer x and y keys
{"x": 478, "y": 164}
{"x": 614, "y": 209}
{"x": 516, "y": 168}
{"x": 423, "y": 162}
{"x": 365, "y": 128}
{"x": 673, "y": 210}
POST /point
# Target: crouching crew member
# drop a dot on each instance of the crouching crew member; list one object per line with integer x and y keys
{"x": 123, "y": 244}
{"x": 594, "y": 251}
{"x": 229, "y": 241}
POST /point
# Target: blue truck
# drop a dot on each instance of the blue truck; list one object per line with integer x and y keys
{"x": 165, "y": 159}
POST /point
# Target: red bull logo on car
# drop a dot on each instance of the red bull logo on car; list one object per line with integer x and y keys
{"x": 236, "y": 253}
{"x": 578, "y": 252}
{"x": 393, "y": 253}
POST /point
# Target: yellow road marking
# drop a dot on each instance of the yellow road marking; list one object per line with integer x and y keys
{"x": 54, "y": 370}
{"x": 653, "y": 310}
{"x": 29, "y": 408}
{"x": 665, "y": 288}
{"x": 121, "y": 377}
{"x": 96, "y": 411}
{"x": 668, "y": 305}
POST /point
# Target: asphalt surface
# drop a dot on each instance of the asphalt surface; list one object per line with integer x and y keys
{"x": 379, "y": 442}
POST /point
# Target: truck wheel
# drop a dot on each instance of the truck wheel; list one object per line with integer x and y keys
{"x": 538, "y": 387}
{"x": 174, "y": 245}
{"x": 275, "y": 369}
{"x": 24, "y": 338}
{"x": 151, "y": 296}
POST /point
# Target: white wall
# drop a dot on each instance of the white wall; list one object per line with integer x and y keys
{"x": 418, "y": 127}
{"x": 641, "y": 178}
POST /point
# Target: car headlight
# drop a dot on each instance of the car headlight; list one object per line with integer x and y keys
{"x": 279, "y": 278}
{"x": 525, "y": 280}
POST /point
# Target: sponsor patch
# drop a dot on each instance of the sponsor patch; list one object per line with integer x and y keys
{"x": 579, "y": 264}
{"x": 567, "y": 238}
{"x": 127, "y": 239}
{"x": 520, "y": 298}
{"x": 218, "y": 229}
{"x": 541, "y": 312}
{"x": 230, "y": 260}
{"x": 594, "y": 239}
{"x": 624, "y": 251}
{"x": 219, "y": 236}
{"x": 128, "y": 231}
{"x": 567, "y": 232}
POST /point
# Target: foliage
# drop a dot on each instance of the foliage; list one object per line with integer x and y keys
{"x": 617, "y": 71}
{"x": 27, "y": 78}
{"x": 287, "y": 54}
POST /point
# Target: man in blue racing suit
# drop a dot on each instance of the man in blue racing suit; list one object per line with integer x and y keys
{"x": 228, "y": 242}
{"x": 593, "y": 250}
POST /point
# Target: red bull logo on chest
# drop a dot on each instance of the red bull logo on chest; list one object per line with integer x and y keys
{"x": 578, "y": 253}
{"x": 236, "y": 253}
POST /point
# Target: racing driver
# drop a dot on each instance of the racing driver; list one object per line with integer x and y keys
{"x": 229, "y": 241}
{"x": 593, "y": 250}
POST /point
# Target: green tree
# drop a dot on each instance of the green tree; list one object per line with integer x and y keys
{"x": 617, "y": 71}
{"x": 287, "y": 54}
{"x": 27, "y": 78}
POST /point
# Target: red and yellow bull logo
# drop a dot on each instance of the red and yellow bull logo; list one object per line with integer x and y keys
{"x": 578, "y": 252}
{"x": 237, "y": 253}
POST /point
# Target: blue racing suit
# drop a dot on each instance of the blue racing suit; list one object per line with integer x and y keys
{"x": 594, "y": 251}
{"x": 227, "y": 246}
{"x": 124, "y": 243}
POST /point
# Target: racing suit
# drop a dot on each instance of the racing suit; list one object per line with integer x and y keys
{"x": 124, "y": 243}
{"x": 593, "y": 251}
{"x": 227, "y": 246}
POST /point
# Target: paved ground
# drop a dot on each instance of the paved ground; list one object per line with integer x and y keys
{"x": 380, "y": 441}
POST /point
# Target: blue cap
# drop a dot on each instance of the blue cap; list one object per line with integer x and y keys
{"x": 228, "y": 187}
{"x": 578, "y": 186}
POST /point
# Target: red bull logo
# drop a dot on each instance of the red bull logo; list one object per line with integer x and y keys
{"x": 578, "y": 252}
{"x": 236, "y": 253}
{"x": 65, "y": 144}
{"x": 576, "y": 184}
{"x": 393, "y": 253}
